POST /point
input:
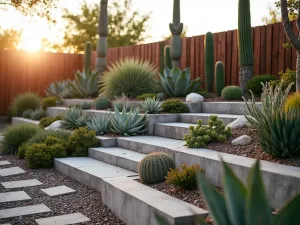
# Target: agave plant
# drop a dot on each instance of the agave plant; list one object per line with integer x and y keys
{"x": 37, "y": 114}
{"x": 243, "y": 204}
{"x": 99, "y": 123}
{"x": 121, "y": 102}
{"x": 81, "y": 121}
{"x": 178, "y": 83}
{"x": 85, "y": 84}
{"x": 128, "y": 123}
{"x": 57, "y": 88}
{"x": 70, "y": 118}
{"x": 151, "y": 106}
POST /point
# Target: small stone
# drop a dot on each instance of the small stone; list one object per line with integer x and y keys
{"x": 57, "y": 125}
{"x": 238, "y": 123}
{"x": 242, "y": 140}
{"x": 194, "y": 98}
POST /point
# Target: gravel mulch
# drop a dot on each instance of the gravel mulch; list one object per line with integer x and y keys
{"x": 253, "y": 150}
{"x": 85, "y": 200}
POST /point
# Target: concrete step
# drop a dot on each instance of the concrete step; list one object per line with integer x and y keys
{"x": 118, "y": 156}
{"x": 131, "y": 201}
{"x": 172, "y": 130}
{"x": 194, "y": 117}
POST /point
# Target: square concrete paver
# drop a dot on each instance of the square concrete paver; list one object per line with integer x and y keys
{"x": 21, "y": 183}
{"x": 4, "y": 163}
{"x": 56, "y": 191}
{"x": 11, "y": 171}
{"x": 63, "y": 220}
{"x": 14, "y": 196}
{"x": 23, "y": 211}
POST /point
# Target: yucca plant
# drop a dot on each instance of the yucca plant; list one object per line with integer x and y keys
{"x": 85, "y": 84}
{"x": 151, "y": 106}
{"x": 128, "y": 123}
{"x": 57, "y": 88}
{"x": 99, "y": 123}
{"x": 242, "y": 204}
{"x": 131, "y": 77}
{"x": 70, "y": 117}
{"x": 177, "y": 83}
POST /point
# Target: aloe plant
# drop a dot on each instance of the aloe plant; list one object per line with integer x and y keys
{"x": 243, "y": 204}
{"x": 98, "y": 123}
{"x": 151, "y": 106}
{"x": 178, "y": 83}
{"x": 128, "y": 123}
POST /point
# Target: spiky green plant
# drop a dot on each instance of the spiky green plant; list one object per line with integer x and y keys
{"x": 85, "y": 84}
{"x": 86, "y": 105}
{"x": 151, "y": 106}
{"x": 81, "y": 121}
{"x": 167, "y": 57}
{"x": 178, "y": 83}
{"x": 220, "y": 77}
{"x": 27, "y": 113}
{"x": 232, "y": 93}
{"x": 243, "y": 204}
{"x": 99, "y": 123}
{"x": 155, "y": 167}
{"x": 57, "y": 88}
{"x": 293, "y": 102}
{"x": 37, "y": 114}
{"x": 209, "y": 61}
{"x": 70, "y": 117}
{"x": 102, "y": 103}
{"x": 129, "y": 76}
{"x": 128, "y": 123}
{"x": 25, "y": 101}
{"x": 121, "y": 102}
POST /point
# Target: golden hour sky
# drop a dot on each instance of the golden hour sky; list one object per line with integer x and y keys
{"x": 199, "y": 16}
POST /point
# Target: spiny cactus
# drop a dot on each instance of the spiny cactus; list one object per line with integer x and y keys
{"x": 167, "y": 57}
{"x": 160, "y": 96}
{"x": 220, "y": 77}
{"x": 87, "y": 56}
{"x": 209, "y": 61}
{"x": 155, "y": 167}
{"x": 245, "y": 43}
{"x": 176, "y": 29}
{"x": 102, "y": 103}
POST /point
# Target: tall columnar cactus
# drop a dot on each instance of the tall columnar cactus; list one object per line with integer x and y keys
{"x": 102, "y": 42}
{"x": 87, "y": 56}
{"x": 167, "y": 57}
{"x": 209, "y": 61}
{"x": 176, "y": 29}
{"x": 245, "y": 43}
{"x": 154, "y": 167}
{"x": 220, "y": 77}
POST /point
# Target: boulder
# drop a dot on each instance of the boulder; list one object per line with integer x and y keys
{"x": 193, "y": 98}
{"x": 242, "y": 140}
{"x": 238, "y": 123}
{"x": 57, "y": 125}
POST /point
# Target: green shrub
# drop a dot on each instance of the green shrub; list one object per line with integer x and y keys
{"x": 254, "y": 84}
{"x": 131, "y": 77}
{"x": 206, "y": 94}
{"x": 293, "y": 103}
{"x": 25, "y": 101}
{"x": 155, "y": 167}
{"x": 41, "y": 137}
{"x": 184, "y": 177}
{"x": 16, "y": 135}
{"x": 143, "y": 97}
{"x": 101, "y": 103}
{"x": 49, "y": 102}
{"x": 232, "y": 93}
{"x": 22, "y": 150}
{"x": 27, "y": 113}
{"x": 201, "y": 135}
{"x": 151, "y": 106}
{"x": 128, "y": 123}
{"x": 86, "y": 105}
{"x": 174, "y": 106}
{"x": 47, "y": 121}
{"x": 287, "y": 77}
{"x": 37, "y": 114}
{"x": 80, "y": 141}
{"x": 99, "y": 123}
{"x": 42, "y": 155}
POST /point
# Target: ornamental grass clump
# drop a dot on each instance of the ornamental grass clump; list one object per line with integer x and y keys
{"x": 24, "y": 102}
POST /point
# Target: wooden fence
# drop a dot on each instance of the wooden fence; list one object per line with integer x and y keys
{"x": 23, "y": 71}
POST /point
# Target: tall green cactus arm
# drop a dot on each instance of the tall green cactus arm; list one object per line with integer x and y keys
{"x": 87, "y": 56}
{"x": 176, "y": 27}
{"x": 209, "y": 61}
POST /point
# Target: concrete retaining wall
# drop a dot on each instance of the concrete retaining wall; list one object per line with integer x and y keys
{"x": 235, "y": 108}
{"x": 20, "y": 120}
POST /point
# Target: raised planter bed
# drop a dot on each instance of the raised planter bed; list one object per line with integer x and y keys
{"x": 20, "y": 120}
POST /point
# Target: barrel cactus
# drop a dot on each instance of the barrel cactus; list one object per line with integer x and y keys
{"x": 209, "y": 61}
{"x": 87, "y": 56}
{"x": 167, "y": 57}
{"x": 155, "y": 167}
{"x": 160, "y": 96}
{"x": 220, "y": 77}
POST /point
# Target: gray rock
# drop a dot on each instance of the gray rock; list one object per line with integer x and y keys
{"x": 193, "y": 97}
{"x": 238, "y": 123}
{"x": 242, "y": 140}
{"x": 57, "y": 125}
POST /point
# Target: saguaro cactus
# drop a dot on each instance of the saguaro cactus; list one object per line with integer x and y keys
{"x": 245, "y": 43}
{"x": 176, "y": 29}
{"x": 102, "y": 42}
{"x": 87, "y": 56}
{"x": 209, "y": 61}
{"x": 220, "y": 77}
{"x": 167, "y": 57}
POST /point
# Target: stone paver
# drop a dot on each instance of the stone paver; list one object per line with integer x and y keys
{"x": 11, "y": 171}
{"x": 63, "y": 220}
{"x": 5, "y": 224}
{"x": 21, "y": 183}
{"x": 14, "y": 196}
{"x": 23, "y": 211}
{"x": 4, "y": 162}
{"x": 56, "y": 191}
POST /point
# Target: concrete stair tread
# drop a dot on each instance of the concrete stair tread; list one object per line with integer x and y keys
{"x": 155, "y": 141}
{"x": 177, "y": 124}
{"x": 209, "y": 114}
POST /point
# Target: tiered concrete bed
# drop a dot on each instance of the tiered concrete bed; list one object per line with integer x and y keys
{"x": 20, "y": 120}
